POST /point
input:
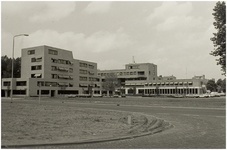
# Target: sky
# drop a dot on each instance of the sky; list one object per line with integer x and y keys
{"x": 173, "y": 35}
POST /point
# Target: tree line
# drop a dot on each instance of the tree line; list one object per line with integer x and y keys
{"x": 6, "y": 67}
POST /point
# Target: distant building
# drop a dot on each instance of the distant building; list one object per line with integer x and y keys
{"x": 53, "y": 71}
{"x": 142, "y": 79}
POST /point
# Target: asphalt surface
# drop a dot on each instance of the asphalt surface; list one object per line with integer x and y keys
{"x": 194, "y": 127}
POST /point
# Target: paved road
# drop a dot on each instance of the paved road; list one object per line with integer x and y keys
{"x": 193, "y": 127}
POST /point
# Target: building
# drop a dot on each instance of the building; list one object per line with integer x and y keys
{"x": 52, "y": 71}
{"x": 142, "y": 79}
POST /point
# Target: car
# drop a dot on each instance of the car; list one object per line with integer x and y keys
{"x": 116, "y": 96}
{"x": 71, "y": 96}
{"x": 204, "y": 96}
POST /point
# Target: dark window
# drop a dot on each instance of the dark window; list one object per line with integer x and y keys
{"x": 21, "y": 83}
{"x": 141, "y": 73}
{"x": 7, "y": 83}
{"x": 54, "y": 76}
{"x": 36, "y": 67}
{"x": 43, "y": 92}
{"x": 19, "y": 92}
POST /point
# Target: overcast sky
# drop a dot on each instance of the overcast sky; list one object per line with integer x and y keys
{"x": 173, "y": 35}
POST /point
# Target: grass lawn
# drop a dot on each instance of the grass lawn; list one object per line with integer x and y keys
{"x": 33, "y": 124}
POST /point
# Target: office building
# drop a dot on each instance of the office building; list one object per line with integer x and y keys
{"x": 52, "y": 71}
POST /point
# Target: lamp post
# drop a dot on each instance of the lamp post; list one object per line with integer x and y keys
{"x": 12, "y": 65}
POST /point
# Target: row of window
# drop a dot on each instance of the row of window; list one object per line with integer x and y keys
{"x": 53, "y": 52}
{"x": 62, "y": 61}
{"x": 64, "y": 69}
{"x": 124, "y": 73}
{"x": 86, "y": 78}
{"x": 86, "y": 72}
{"x": 168, "y": 83}
{"x": 58, "y": 76}
{"x": 85, "y": 65}
{"x": 165, "y": 84}
{"x": 39, "y": 59}
{"x": 54, "y": 84}
{"x": 18, "y": 83}
{"x": 166, "y": 91}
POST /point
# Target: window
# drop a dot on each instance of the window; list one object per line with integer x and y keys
{"x": 83, "y": 71}
{"x": 83, "y": 65}
{"x": 63, "y": 69}
{"x": 33, "y": 60}
{"x": 54, "y": 60}
{"x": 83, "y": 78}
{"x": 54, "y": 76}
{"x": 91, "y": 67}
{"x": 30, "y": 52}
{"x": 91, "y": 73}
{"x": 65, "y": 77}
{"x": 21, "y": 83}
{"x": 133, "y": 67}
{"x": 40, "y": 83}
{"x": 37, "y": 75}
{"x": 50, "y": 84}
{"x": 39, "y": 67}
{"x": 70, "y": 85}
{"x": 54, "y": 68}
{"x": 53, "y": 52}
{"x": 61, "y": 61}
{"x": 7, "y": 83}
{"x": 71, "y": 70}
{"x": 92, "y": 79}
{"x": 36, "y": 59}
{"x": 141, "y": 73}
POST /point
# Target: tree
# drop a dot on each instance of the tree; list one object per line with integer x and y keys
{"x": 111, "y": 82}
{"x": 211, "y": 85}
{"x": 219, "y": 39}
{"x": 6, "y": 67}
{"x": 221, "y": 85}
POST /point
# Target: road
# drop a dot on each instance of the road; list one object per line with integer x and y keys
{"x": 194, "y": 128}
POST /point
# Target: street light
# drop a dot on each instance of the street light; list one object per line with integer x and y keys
{"x": 12, "y": 65}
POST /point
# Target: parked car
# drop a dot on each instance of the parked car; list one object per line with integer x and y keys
{"x": 214, "y": 94}
{"x": 204, "y": 96}
{"x": 72, "y": 96}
